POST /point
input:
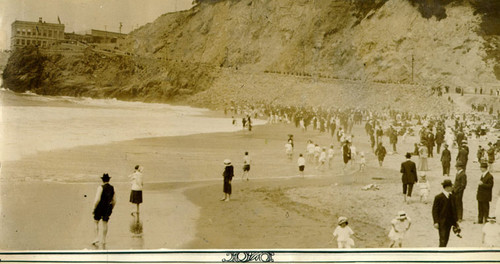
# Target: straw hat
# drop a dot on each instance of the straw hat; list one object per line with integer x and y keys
{"x": 227, "y": 162}
{"x": 401, "y": 215}
{"x": 342, "y": 220}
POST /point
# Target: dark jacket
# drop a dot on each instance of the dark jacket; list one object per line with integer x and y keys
{"x": 462, "y": 156}
{"x": 439, "y": 136}
{"x": 460, "y": 182}
{"x": 228, "y": 173}
{"x": 409, "y": 171}
{"x": 444, "y": 211}
{"x": 446, "y": 156}
{"x": 484, "y": 190}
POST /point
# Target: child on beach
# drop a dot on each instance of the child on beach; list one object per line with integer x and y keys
{"x": 317, "y": 152}
{"x": 424, "y": 188}
{"x": 399, "y": 226}
{"x": 491, "y": 233}
{"x": 362, "y": 161}
{"x": 310, "y": 151}
{"x": 322, "y": 159}
{"x": 343, "y": 233}
{"x": 246, "y": 166}
{"x": 301, "y": 162}
{"x": 330, "y": 157}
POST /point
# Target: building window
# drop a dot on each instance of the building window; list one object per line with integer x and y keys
{"x": 39, "y": 42}
{"x": 23, "y": 32}
{"x": 22, "y": 42}
{"x": 44, "y": 43}
{"x": 50, "y": 33}
{"x": 28, "y": 42}
{"x": 17, "y": 41}
{"x": 29, "y": 32}
{"x": 18, "y": 32}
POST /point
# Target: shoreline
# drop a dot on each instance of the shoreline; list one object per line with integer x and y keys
{"x": 255, "y": 218}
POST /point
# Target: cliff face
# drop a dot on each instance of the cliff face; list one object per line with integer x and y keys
{"x": 358, "y": 40}
{"x": 438, "y": 42}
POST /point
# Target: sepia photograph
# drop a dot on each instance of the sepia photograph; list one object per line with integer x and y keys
{"x": 287, "y": 131}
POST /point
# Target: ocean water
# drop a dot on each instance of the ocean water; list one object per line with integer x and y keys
{"x": 31, "y": 123}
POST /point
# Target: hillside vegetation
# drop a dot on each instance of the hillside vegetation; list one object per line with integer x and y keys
{"x": 289, "y": 51}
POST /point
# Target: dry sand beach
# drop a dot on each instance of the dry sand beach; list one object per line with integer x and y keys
{"x": 47, "y": 198}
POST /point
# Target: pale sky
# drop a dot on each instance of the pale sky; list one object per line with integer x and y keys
{"x": 82, "y": 15}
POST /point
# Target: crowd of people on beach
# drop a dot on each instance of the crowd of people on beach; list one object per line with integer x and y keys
{"x": 436, "y": 134}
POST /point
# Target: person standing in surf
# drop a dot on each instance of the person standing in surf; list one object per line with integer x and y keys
{"x": 137, "y": 184}
{"x": 104, "y": 203}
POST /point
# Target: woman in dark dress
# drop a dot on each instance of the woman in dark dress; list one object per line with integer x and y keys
{"x": 228, "y": 175}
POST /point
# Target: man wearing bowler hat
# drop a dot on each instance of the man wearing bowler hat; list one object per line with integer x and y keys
{"x": 459, "y": 188}
{"x": 445, "y": 160}
{"x": 444, "y": 212}
{"x": 103, "y": 206}
{"x": 484, "y": 190}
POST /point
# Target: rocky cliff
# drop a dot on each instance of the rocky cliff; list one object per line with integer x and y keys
{"x": 312, "y": 46}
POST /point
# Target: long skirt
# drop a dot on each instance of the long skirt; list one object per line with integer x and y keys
{"x": 422, "y": 164}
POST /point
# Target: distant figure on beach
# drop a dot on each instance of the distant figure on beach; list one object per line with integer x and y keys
{"x": 408, "y": 177}
{"x": 301, "y": 162}
{"x": 422, "y": 158}
{"x": 246, "y": 166}
{"x": 444, "y": 213}
{"x": 228, "y": 175}
{"x": 330, "y": 156}
{"x": 424, "y": 188}
{"x": 380, "y": 152}
{"x": 446, "y": 160}
{"x": 362, "y": 161}
{"x": 289, "y": 150}
{"x": 343, "y": 233}
{"x": 399, "y": 226}
{"x": 346, "y": 154}
{"x": 103, "y": 206}
{"x": 136, "y": 192}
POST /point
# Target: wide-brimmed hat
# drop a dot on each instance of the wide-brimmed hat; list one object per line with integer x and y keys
{"x": 408, "y": 155}
{"x": 105, "y": 177}
{"x": 401, "y": 215}
{"x": 227, "y": 162}
{"x": 342, "y": 220}
{"x": 446, "y": 183}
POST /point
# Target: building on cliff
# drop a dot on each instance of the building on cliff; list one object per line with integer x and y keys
{"x": 42, "y": 34}
{"x": 95, "y": 36}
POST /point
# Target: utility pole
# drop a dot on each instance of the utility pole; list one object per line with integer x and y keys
{"x": 121, "y": 25}
{"x": 412, "y": 64}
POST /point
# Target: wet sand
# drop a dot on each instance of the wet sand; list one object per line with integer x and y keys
{"x": 47, "y": 198}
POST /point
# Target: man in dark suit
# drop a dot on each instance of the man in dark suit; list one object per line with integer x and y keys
{"x": 484, "y": 190}
{"x": 439, "y": 139}
{"x": 430, "y": 144}
{"x": 444, "y": 212}
{"x": 409, "y": 177}
{"x": 459, "y": 188}
{"x": 463, "y": 155}
{"x": 446, "y": 160}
